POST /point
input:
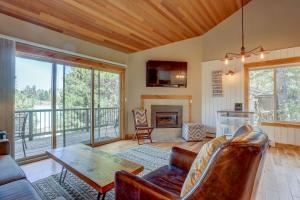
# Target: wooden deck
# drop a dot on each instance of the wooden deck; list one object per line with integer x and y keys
{"x": 42, "y": 143}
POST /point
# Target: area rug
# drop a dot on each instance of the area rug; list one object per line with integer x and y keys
{"x": 75, "y": 189}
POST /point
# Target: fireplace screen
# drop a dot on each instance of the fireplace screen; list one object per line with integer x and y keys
{"x": 166, "y": 116}
{"x": 166, "y": 119}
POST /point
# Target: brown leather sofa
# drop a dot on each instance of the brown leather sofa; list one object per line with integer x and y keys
{"x": 13, "y": 182}
{"x": 230, "y": 175}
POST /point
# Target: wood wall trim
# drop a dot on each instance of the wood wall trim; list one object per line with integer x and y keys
{"x": 271, "y": 63}
{"x": 246, "y": 87}
{"x": 28, "y": 50}
{"x": 281, "y": 124}
{"x": 122, "y": 104}
{"x": 287, "y": 146}
{"x": 171, "y": 97}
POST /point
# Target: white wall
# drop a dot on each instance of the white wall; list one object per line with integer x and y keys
{"x": 233, "y": 92}
{"x": 272, "y": 23}
{"x": 186, "y": 50}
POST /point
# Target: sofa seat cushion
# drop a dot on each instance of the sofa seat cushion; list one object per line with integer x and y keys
{"x": 21, "y": 189}
{"x": 168, "y": 177}
{"x": 10, "y": 171}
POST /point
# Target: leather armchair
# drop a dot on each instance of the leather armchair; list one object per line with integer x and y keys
{"x": 230, "y": 174}
{"x": 129, "y": 185}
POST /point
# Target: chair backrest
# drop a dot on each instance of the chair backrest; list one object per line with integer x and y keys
{"x": 233, "y": 169}
{"x": 20, "y": 122}
{"x": 140, "y": 117}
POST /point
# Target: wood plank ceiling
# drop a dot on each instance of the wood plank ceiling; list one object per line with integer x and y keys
{"x": 124, "y": 25}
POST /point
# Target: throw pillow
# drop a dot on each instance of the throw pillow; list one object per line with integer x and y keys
{"x": 200, "y": 163}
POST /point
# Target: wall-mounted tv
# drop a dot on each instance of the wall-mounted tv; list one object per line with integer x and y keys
{"x": 166, "y": 74}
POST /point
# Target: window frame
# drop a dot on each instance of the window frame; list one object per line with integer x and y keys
{"x": 269, "y": 64}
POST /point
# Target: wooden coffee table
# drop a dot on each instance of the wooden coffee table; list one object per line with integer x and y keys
{"x": 95, "y": 167}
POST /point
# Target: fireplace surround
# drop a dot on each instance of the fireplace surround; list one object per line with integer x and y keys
{"x": 166, "y": 116}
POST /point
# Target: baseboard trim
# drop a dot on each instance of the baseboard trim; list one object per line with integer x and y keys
{"x": 281, "y": 145}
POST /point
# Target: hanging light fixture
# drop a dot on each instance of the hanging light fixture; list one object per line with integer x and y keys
{"x": 244, "y": 54}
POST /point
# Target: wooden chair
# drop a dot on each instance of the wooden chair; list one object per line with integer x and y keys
{"x": 142, "y": 129}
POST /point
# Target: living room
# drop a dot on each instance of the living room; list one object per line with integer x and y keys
{"x": 149, "y": 99}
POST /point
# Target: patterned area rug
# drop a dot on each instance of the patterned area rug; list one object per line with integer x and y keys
{"x": 75, "y": 189}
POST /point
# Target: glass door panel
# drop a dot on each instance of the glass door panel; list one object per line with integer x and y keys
{"x": 106, "y": 105}
{"x": 33, "y": 132}
{"x": 288, "y": 93}
{"x": 261, "y": 93}
{"x": 73, "y": 109}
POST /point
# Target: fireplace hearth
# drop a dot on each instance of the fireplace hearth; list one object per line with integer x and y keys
{"x": 165, "y": 116}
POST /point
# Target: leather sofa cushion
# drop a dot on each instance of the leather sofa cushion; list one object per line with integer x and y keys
{"x": 168, "y": 177}
{"x": 10, "y": 171}
{"x": 21, "y": 189}
{"x": 200, "y": 163}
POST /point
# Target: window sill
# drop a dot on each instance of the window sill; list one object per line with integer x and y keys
{"x": 281, "y": 124}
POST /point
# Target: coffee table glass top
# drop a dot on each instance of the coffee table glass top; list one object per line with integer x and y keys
{"x": 94, "y": 166}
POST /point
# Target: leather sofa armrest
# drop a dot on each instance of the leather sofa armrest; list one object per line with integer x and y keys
{"x": 4, "y": 147}
{"x": 182, "y": 159}
{"x": 131, "y": 187}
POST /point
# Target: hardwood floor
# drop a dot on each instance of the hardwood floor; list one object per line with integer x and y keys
{"x": 280, "y": 177}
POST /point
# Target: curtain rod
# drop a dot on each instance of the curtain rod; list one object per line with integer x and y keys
{"x": 61, "y": 50}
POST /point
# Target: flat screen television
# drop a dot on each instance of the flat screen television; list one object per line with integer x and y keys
{"x": 166, "y": 74}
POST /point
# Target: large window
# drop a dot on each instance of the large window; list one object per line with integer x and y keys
{"x": 274, "y": 92}
{"x": 54, "y": 105}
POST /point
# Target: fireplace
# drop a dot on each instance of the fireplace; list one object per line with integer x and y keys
{"x": 165, "y": 116}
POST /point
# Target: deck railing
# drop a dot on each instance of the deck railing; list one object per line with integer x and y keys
{"x": 38, "y": 121}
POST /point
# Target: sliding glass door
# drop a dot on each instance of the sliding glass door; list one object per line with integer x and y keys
{"x": 33, "y": 126}
{"x": 55, "y": 108}
{"x": 73, "y": 105}
{"x": 106, "y": 106}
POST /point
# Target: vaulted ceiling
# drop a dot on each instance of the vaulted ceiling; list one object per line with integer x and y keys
{"x": 125, "y": 25}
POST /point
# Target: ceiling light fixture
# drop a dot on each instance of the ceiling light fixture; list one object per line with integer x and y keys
{"x": 230, "y": 72}
{"x": 243, "y": 54}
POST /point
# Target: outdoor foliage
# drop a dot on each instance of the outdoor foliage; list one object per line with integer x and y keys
{"x": 287, "y": 99}
{"x": 288, "y": 93}
{"x": 77, "y": 91}
{"x": 31, "y": 96}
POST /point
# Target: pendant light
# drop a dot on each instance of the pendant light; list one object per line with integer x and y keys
{"x": 244, "y": 54}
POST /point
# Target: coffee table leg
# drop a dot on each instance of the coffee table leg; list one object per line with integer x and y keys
{"x": 61, "y": 174}
{"x": 63, "y": 180}
{"x": 99, "y": 195}
{"x": 103, "y": 197}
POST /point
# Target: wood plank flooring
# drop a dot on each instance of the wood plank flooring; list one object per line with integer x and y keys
{"x": 280, "y": 178}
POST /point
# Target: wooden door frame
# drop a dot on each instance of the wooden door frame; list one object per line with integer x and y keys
{"x": 121, "y": 112}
